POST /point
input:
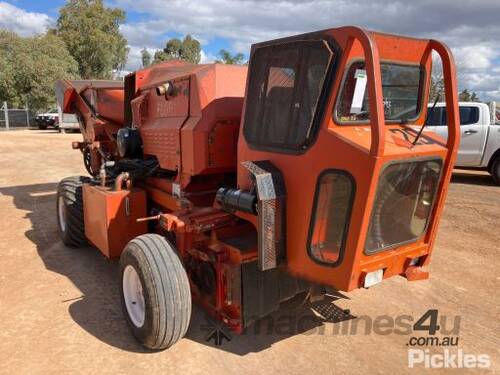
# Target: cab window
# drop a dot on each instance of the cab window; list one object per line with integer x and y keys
{"x": 331, "y": 215}
{"x": 401, "y": 90}
{"x": 285, "y": 86}
{"x": 437, "y": 117}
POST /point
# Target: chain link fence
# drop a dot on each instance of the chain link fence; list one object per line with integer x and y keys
{"x": 15, "y": 118}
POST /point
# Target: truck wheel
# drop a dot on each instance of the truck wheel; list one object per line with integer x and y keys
{"x": 42, "y": 127}
{"x": 156, "y": 296}
{"x": 495, "y": 170}
{"x": 70, "y": 211}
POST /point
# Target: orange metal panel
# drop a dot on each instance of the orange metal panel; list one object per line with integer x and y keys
{"x": 110, "y": 217}
{"x": 362, "y": 150}
{"x": 179, "y": 129}
{"x": 194, "y": 132}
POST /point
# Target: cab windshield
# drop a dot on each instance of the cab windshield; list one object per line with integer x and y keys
{"x": 401, "y": 90}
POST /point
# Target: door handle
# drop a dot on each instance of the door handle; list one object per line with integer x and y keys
{"x": 470, "y": 131}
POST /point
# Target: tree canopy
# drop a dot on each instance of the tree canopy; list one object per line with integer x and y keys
{"x": 437, "y": 88}
{"x": 92, "y": 35}
{"x": 226, "y": 57}
{"x": 30, "y": 66}
{"x": 146, "y": 58}
{"x": 189, "y": 49}
{"x": 466, "y": 96}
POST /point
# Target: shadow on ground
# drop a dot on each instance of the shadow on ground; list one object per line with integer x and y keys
{"x": 98, "y": 309}
{"x": 472, "y": 178}
{"x": 45, "y": 131}
{"x": 282, "y": 324}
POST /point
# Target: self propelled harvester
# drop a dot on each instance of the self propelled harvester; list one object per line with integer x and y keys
{"x": 243, "y": 187}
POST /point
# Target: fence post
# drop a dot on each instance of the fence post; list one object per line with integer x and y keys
{"x": 27, "y": 115}
{"x": 6, "y": 114}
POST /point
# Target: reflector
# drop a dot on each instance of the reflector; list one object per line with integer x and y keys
{"x": 373, "y": 278}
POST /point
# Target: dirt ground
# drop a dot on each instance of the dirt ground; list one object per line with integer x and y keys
{"x": 60, "y": 311}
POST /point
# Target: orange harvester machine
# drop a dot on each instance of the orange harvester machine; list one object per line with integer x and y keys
{"x": 302, "y": 172}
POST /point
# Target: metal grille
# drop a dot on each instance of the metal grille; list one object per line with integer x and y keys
{"x": 271, "y": 211}
{"x": 286, "y": 81}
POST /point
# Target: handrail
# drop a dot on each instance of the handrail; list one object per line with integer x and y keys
{"x": 372, "y": 61}
{"x": 451, "y": 93}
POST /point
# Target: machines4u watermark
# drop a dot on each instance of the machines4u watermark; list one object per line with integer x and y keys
{"x": 433, "y": 338}
{"x": 448, "y": 358}
{"x": 438, "y": 347}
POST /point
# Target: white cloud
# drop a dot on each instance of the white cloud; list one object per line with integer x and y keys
{"x": 206, "y": 58}
{"x": 471, "y": 29}
{"x": 22, "y": 22}
{"x": 134, "y": 60}
{"x": 141, "y": 33}
{"x": 475, "y": 56}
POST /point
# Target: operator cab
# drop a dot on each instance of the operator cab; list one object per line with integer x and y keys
{"x": 326, "y": 142}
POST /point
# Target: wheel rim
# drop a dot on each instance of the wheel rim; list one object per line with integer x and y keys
{"x": 134, "y": 298}
{"x": 61, "y": 213}
{"x": 87, "y": 162}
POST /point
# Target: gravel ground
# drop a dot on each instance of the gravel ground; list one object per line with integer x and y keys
{"x": 60, "y": 311}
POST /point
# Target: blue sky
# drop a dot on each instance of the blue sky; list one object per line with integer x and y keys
{"x": 134, "y": 16}
{"x": 470, "y": 28}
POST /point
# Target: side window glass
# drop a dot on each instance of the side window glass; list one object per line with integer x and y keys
{"x": 468, "y": 115}
{"x": 434, "y": 116}
{"x": 283, "y": 94}
{"x": 331, "y": 216}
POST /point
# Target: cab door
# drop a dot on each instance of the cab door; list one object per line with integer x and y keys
{"x": 473, "y": 132}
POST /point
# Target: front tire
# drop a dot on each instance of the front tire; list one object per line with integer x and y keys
{"x": 155, "y": 292}
{"x": 495, "y": 170}
{"x": 70, "y": 211}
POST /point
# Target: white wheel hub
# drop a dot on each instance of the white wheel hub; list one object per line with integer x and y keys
{"x": 134, "y": 298}
{"x": 62, "y": 213}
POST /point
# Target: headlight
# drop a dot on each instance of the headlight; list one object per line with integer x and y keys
{"x": 403, "y": 203}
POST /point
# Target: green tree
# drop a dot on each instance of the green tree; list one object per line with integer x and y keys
{"x": 159, "y": 56}
{"x": 437, "y": 88}
{"x": 173, "y": 48}
{"x": 8, "y": 43}
{"x": 146, "y": 58}
{"x": 30, "y": 66}
{"x": 92, "y": 35}
{"x": 464, "y": 96}
{"x": 189, "y": 49}
{"x": 226, "y": 57}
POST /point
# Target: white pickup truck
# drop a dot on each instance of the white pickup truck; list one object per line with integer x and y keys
{"x": 67, "y": 121}
{"x": 480, "y": 135}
